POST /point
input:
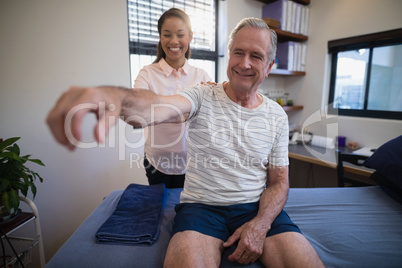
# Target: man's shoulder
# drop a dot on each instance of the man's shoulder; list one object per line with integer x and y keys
{"x": 205, "y": 87}
{"x": 273, "y": 106}
{"x": 201, "y": 92}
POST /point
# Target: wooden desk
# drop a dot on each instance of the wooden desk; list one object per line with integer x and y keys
{"x": 325, "y": 157}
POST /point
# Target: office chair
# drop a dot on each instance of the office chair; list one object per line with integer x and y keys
{"x": 354, "y": 159}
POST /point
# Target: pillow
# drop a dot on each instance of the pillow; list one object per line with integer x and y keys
{"x": 387, "y": 160}
{"x": 387, "y": 186}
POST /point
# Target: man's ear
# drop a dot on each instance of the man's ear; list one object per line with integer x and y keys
{"x": 269, "y": 67}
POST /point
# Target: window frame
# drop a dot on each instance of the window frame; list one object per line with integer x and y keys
{"x": 143, "y": 48}
{"x": 369, "y": 41}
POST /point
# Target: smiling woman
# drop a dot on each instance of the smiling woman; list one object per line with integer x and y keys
{"x": 144, "y": 37}
{"x": 175, "y": 37}
{"x": 167, "y": 75}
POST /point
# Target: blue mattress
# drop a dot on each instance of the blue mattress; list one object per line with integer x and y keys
{"x": 348, "y": 227}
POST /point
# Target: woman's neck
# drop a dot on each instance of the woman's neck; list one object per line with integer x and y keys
{"x": 176, "y": 64}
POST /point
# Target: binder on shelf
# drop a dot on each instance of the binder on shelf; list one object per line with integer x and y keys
{"x": 285, "y": 55}
{"x": 277, "y": 10}
{"x": 289, "y": 12}
{"x": 291, "y": 56}
{"x": 303, "y": 57}
{"x": 293, "y": 17}
{"x": 305, "y": 20}
{"x": 297, "y": 19}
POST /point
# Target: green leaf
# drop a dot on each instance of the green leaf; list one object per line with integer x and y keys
{"x": 14, "y": 175}
{"x": 24, "y": 159}
{"x": 37, "y": 161}
{"x": 33, "y": 189}
{"x": 4, "y": 185}
{"x": 24, "y": 189}
{"x": 16, "y": 149}
{"x": 7, "y": 200}
{"x": 15, "y": 199}
{"x": 10, "y": 155}
{"x": 11, "y": 200}
{"x": 8, "y": 142}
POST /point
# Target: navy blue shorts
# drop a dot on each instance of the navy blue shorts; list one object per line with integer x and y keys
{"x": 221, "y": 221}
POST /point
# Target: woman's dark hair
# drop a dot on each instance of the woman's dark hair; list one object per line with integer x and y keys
{"x": 173, "y": 12}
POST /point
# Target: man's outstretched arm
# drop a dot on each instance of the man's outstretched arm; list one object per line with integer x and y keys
{"x": 136, "y": 107}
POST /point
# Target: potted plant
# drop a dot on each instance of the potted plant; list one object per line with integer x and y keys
{"x": 15, "y": 177}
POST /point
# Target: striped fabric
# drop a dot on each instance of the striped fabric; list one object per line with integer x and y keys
{"x": 229, "y": 147}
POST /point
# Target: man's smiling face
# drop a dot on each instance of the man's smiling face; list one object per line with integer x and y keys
{"x": 248, "y": 59}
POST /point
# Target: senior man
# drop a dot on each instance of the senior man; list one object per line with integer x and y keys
{"x": 237, "y": 172}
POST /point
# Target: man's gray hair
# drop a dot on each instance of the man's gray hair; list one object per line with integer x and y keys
{"x": 255, "y": 23}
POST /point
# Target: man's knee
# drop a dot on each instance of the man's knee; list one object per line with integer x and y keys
{"x": 193, "y": 249}
{"x": 289, "y": 249}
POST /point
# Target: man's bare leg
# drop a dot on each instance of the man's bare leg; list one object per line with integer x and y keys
{"x": 193, "y": 249}
{"x": 289, "y": 249}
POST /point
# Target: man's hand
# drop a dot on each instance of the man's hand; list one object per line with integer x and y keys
{"x": 65, "y": 119}
{"x": 251, "y": 236}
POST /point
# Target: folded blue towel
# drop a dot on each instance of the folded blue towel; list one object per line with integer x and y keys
{"x": 137, "y": 217}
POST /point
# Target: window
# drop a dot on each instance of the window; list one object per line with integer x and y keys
{"x": 366, "y": 78}
{"x": 143, "y": 18}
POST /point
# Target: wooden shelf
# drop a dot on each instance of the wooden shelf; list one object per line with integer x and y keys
{"x": 303, "y": 2}
{"x": 19, "y": 220}
{"x": 292, "y": 108}
{"x": 282, "y": 72}
{"x": 284, "y": 36}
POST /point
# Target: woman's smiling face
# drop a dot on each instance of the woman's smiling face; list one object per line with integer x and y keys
{"x": 248, "y": 59}
{"x": 175, "y": 39}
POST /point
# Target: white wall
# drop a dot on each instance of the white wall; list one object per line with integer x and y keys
{"x": 47, "y": 46}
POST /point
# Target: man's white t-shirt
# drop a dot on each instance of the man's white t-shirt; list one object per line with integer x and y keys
{"x": 229, "y": 147}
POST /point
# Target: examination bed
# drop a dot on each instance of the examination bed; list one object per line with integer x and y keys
{"x": 348, "y": 227}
